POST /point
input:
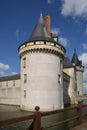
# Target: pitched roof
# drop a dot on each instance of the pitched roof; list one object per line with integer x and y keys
{"x": 75, "y": 60}
{"x": 40, "y": 33}
{"x": 67, "y": 63}
{"x": 10, "y": 77}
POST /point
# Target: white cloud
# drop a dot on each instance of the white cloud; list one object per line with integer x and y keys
{"x": 50, "y": 1}
{"x": 85, "y": 76}
{"x": 83, "y": 57}
{"x": 55, "y": 30}
{"x": 13, "y": 73}
{"x": 74, "y": 8}
{"x": 86, "y": 31}
{"x": 19, "y": 33}
{"x": 85, "y": 46}
{"x": 85, "y": 88}
{"x": 3, "y": 69}
{"x": 63, "y": 41}
{"x": 2, "y": 73}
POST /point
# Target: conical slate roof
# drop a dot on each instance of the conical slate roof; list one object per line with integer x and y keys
{"x": 75, "y": 60}
{"x": 39, "y": 32}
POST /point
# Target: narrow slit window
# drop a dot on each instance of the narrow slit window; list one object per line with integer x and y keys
{"x": 24, "y": 93}
{"x": 7, "y": 83}
{"x": 61, "y": 64}
{"x": 24, "y": 62}
{"x": 59, "y": 78}
{"x": 0, "y": 84}
{"x": 13, "y": 82}
{"x": 25, "y": 78}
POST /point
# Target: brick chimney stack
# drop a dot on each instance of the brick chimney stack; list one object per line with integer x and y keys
{"x": 47, "y": 23}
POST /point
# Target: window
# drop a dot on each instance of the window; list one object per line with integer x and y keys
{"x": 24, "y": 62}
{"x": 13, "y": 82}
{"x": 7, "y": 83}
{"x": 61, "y": 64}
{"x": 0, "y": 84}
{"x": 75, "y": 89}
{"x": 24, "y": 93}
{"x": 59, "y": 79}
{"x": 25, "y": 78}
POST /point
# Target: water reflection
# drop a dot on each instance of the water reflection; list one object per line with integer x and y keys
{"x": 7, "y": 112}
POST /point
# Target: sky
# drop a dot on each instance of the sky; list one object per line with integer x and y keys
{"x": 18, "y": 18}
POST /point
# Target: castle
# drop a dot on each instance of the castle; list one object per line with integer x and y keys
{"x": 47, "y": 78}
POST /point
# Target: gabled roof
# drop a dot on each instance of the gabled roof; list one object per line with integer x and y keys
{"x": 10, "y": 77}
{"x": 67, "y": 63}
{"x": 75, "y": 60}
{"x": 39, "y": 32}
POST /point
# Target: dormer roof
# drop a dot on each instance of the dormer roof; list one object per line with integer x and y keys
{"x": 10, "y": 77}
{"x": 67, "y": 63}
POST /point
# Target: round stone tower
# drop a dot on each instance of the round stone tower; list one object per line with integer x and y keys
{"x": 41, "y": 70}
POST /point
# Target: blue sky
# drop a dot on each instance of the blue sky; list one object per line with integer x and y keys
{"x": 18, "y": 18}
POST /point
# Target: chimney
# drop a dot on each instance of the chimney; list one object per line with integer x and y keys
{"x": 47, "y": 23}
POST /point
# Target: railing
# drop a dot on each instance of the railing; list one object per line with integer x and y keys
{"x": 37, "y": 116}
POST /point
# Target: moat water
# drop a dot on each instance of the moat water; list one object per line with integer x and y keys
{"x": 9, "y": 112}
